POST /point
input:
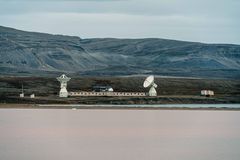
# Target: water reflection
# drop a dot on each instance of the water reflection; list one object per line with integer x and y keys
{"x": 119, "y": 134}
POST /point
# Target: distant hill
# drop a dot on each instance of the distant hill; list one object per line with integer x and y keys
{"x": 30, "y": 53}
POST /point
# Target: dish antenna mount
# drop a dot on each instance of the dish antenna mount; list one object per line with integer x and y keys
{"x": 149, "y": 82}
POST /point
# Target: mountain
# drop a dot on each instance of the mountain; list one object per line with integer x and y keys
{"x": 31, "y": 53}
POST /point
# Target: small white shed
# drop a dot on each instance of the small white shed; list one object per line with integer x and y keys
{"x": 207, "y": 93}
{"x": 21, "y": 95}
{"x": 32, "y": 96}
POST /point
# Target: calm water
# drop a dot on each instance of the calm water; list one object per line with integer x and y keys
{"x": 119, "y": 135}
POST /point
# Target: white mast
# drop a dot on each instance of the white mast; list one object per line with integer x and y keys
{"x": 22, "y": 88}
{"x": 22, "y": 94}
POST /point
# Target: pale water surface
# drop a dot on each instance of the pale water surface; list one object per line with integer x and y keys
{"x": 32, "y": 134}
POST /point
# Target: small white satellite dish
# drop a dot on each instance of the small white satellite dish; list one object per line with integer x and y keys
{"x": 150, "y": 82}
{"x": 110, "y": 89}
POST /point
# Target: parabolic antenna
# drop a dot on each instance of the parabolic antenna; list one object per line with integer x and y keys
{"x": 149, "y": 82}
{"x": 63, "y": 79}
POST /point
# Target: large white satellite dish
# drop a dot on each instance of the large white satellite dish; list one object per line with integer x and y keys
{"x": 63, "y": 79}
{"x": 149, "y": 82}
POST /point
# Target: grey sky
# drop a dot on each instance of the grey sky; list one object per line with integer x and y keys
{"x": 213, "y": 21}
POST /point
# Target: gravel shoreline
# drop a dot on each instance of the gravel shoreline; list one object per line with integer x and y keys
{"x": 111, "y": 107}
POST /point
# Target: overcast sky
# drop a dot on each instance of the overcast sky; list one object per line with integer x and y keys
{"x": 212, "y": 21}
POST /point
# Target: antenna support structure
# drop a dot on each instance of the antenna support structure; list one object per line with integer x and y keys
{"x": 63, "y": 79}
{"x": 149, "y": 82}
{"x": 22, "y": 94}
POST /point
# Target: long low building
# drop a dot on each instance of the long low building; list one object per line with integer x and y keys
{"x": 207, "y": 93}
{"x": 110, "y": 94}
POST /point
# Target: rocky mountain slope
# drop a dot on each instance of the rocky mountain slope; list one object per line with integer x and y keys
{"x": 30, "y": 53}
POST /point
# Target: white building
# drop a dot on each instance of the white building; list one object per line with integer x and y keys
{"x": 207, "y": 93}
{"x": 21, "y": 95}
{"x": 32, "y": 96}
{"x": 107, "y": 94}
